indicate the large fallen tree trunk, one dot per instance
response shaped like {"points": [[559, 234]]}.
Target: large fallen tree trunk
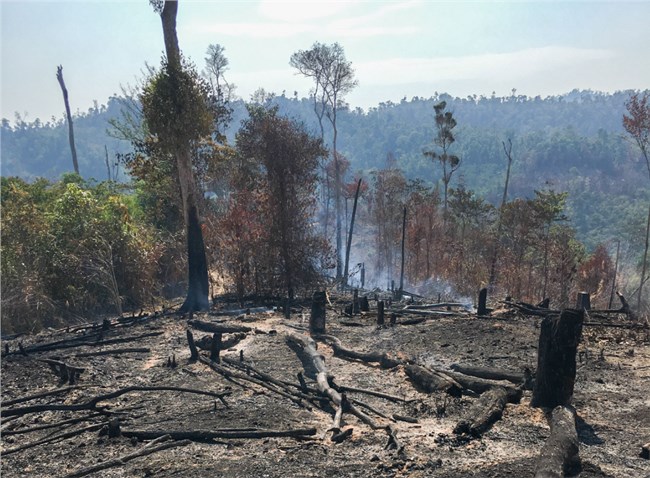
{"points": [[491, 373], [308, 346], [432, 380], [217, 328], [368, 357], [478, 385], [487, 411], [560, 452]]}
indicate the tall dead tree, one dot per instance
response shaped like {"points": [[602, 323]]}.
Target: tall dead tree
{"points": [[73, 149], [347, 250], [504, 199]]}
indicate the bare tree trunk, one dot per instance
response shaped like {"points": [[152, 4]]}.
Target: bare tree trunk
{"points": [[495, 256], [347, 251], [73, 150], [401, 275], [198, 285], [643, 267]]}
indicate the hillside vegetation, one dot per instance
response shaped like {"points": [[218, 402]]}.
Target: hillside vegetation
{"points": [[578, 187]]}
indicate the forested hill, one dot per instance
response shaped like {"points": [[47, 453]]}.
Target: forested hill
{"points": [[572, 143]]}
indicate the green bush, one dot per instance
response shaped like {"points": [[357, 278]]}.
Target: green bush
{"points": [[71, 248]]}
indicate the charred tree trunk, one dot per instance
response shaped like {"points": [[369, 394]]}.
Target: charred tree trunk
{"points": [[347, 251], [317, 318], [198, 285], [559, 455], [401, 275], [482, 302], [556, 359], [73, 149]]}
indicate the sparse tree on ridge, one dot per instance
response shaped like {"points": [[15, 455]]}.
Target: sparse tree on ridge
{"points": [[443, 139], [334, 77]]}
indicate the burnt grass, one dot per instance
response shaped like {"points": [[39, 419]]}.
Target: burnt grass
{"points": [[611, 399]]}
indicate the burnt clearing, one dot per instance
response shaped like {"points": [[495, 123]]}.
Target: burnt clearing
{"points": [[125, 398]]}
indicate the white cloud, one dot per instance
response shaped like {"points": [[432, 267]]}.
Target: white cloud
{"points": [[301, 10], [334, 18], [251, 29], [514, 66]]}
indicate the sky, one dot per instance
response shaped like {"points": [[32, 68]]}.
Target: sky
{"points": [[399, 49]]}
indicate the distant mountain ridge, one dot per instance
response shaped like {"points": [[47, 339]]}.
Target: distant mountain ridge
{"points": [[573, 142]]}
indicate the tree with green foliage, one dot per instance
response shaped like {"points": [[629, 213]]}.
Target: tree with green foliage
{"points": [[443, 139], [334, 77], [177, 111]]}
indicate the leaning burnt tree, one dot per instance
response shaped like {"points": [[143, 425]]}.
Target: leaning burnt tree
{"points": [[177, 111]]}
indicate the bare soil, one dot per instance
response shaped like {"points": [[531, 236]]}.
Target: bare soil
{"points": [[611, 399]]}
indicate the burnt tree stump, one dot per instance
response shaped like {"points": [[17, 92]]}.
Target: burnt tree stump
{"points": [[317, 318], [355, 302], [482, 302], [556, 359], [215, 347], [380, 313], [363, 304], [583, 301]]}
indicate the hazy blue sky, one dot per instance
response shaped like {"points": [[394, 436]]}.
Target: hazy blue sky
{"points": [[399, 49]]}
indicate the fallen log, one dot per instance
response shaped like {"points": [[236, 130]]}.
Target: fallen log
{"points": [[78, 343], [297, 398], [308, 345], [36, 395], [476, 384], [491, 373], [559, 454], [61, 436], [148, 449], [367, 357], [208, 435], [217, 328], [92, 403], [432, 380], [62, 423], [236, 312], [487, 411], [132, 350]]}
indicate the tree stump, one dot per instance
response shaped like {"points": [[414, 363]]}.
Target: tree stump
{"points": [[355, 302], [317, 318], [215, 348], [556, 359], [363, 304], [380, 312], [583, 301], [482, 302]]}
